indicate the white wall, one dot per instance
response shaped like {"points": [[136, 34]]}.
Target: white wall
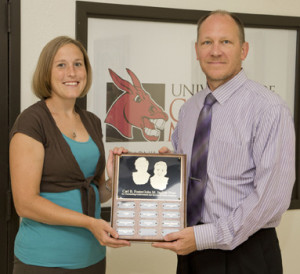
{"points": [[43, 20]]}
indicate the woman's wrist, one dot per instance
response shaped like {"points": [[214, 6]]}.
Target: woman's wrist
{"points": [[108, 185], [89, 223]]}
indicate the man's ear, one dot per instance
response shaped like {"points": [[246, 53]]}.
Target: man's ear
{"points": [[244, 51], [196, 49]]}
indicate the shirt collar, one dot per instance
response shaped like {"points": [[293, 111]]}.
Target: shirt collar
{"points": [[224, 92]]}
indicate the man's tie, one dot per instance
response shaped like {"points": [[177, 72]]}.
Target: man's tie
{"points": [[198, 176]]}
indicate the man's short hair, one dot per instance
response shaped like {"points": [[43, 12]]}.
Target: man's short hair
{"points": [[237, 20]]}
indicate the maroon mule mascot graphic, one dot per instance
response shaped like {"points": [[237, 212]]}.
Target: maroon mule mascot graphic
{"points": [[135, 108]]}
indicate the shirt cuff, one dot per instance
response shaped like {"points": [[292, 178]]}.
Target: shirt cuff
{"points": [[205, 236]]}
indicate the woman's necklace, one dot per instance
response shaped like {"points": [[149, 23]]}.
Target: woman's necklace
{"points": [[59, 120], [74, 135]]}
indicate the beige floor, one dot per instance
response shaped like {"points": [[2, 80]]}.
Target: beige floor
{"points": [[140, 258]]}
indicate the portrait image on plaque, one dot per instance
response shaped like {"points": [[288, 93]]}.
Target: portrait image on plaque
{"points": [[159, 180], [149, 177], [148, 195], [141, 175]]}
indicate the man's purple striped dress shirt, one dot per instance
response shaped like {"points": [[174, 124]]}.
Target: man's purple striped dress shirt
{"points": [[251, 161]]}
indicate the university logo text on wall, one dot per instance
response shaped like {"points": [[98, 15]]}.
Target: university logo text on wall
{"points": [[135, 111], [169, 74]]}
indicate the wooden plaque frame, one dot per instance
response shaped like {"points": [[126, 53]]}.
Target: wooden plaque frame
{"points": [[148, 197]]}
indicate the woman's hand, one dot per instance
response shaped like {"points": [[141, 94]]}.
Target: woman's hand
{"points": [[105, 234], [110, 163]]}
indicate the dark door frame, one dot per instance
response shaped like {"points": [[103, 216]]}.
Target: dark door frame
{"points": [[86, 10], [9, 109]]}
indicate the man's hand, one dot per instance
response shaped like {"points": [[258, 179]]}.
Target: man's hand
{"points": [[182, 242], [164, 150]]}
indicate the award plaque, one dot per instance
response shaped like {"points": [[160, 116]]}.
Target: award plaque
{"points": [[148, 197]]}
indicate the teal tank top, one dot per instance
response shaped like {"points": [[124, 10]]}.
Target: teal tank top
{"points": [[63, 246]]}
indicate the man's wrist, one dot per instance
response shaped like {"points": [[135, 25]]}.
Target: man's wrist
{"points": [[205, 236]]}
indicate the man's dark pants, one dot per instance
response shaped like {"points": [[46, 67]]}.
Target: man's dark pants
{"points": [[260, 254]]}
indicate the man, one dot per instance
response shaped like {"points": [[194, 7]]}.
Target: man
{"points": [[250, 163], [159, 180]]}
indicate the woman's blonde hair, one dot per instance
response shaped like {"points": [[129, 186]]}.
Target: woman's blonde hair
{"points": [[41, 81]]}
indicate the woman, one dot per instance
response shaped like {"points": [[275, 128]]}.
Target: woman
{"points": [[57, 167], [141, 176]]}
